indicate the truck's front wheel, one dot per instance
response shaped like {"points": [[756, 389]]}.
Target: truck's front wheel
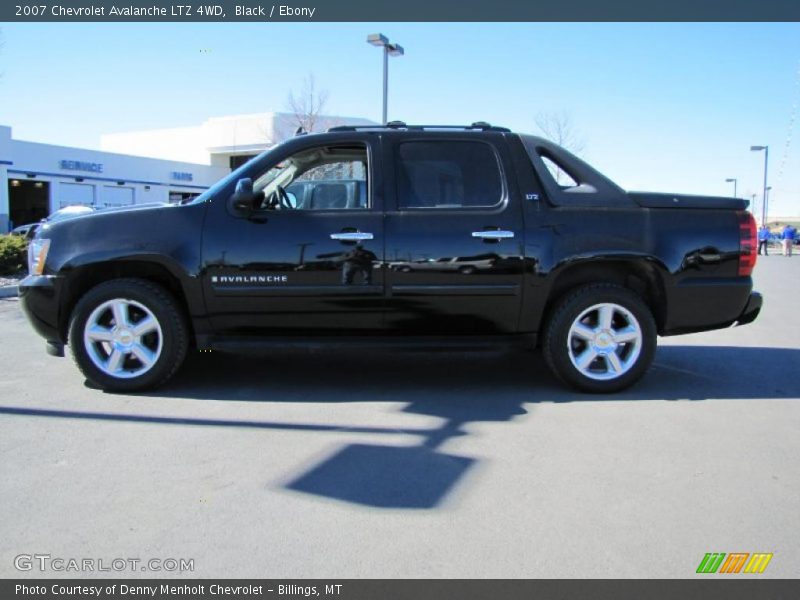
{"points": [[128, 335], [601, 338]]}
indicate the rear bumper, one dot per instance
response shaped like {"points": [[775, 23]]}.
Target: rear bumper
{"points": [[751, 309], [703, 304]]}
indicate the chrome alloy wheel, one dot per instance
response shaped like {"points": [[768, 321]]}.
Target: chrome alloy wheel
{"points": [[123, 338], [604, 341]]}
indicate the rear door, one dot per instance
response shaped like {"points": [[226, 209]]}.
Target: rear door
{"points": [[454, 235]]}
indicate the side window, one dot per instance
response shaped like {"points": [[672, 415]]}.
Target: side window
{"points": [[448, 174], [557, 172], [350, 169], [324, 178]]}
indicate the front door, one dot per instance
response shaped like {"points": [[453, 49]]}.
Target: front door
{"points": [[454, 237], [308, 258]]}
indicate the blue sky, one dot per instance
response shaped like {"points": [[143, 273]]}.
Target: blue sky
{"points": [[664, 107]]}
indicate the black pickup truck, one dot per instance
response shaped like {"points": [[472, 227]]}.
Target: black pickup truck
{"points": [[396, 235]]}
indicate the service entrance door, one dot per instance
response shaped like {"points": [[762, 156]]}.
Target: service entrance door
{"points": [[28, 200]]}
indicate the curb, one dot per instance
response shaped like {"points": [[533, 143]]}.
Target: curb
{"points": [[9, 291]]}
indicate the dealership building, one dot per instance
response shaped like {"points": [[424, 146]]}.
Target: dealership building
{"points": [[159, 165]]}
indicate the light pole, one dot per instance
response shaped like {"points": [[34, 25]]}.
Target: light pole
{"points": [[734, 181], [764, 197], [381, 41], [766, 200]]}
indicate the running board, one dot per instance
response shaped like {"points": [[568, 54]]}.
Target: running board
{"points": [[235, 344]]}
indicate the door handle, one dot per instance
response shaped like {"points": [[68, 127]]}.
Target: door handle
{"points": [[351, 236], [497, 234]]}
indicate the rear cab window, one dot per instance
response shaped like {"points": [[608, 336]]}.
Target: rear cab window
{"points": [[569, 181]]}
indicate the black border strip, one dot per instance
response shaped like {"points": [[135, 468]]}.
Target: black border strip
{"points": [[410, 10], [708, 587]]}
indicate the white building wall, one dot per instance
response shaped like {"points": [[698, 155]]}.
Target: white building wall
{"points": [[78, 175], [217, 138], [184, 144], [47, 159], [5, 157]]}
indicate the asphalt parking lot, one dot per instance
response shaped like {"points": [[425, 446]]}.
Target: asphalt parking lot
{"points": [[330, 464]]}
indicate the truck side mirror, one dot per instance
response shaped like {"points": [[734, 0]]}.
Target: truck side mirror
{"points": [[241, 201]]}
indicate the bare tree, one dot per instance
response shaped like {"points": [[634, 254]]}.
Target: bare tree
{"points": [[558, 128], [307, 105]]}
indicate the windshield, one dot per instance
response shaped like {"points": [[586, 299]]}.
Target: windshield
{"points": [[233, 177]]}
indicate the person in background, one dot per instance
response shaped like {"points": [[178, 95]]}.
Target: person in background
{"points": [[763, 239], [787, 239]]}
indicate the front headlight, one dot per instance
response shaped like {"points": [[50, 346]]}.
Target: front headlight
{"points": [[37, 254]]}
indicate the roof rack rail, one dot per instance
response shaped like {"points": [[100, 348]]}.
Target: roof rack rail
{"points": [[477, 125]]}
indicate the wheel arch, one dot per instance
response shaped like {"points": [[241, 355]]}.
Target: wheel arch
{"points": [[83, 278], [642, 275]]}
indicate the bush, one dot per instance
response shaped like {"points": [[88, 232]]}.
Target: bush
{"points": [[13, 254]]}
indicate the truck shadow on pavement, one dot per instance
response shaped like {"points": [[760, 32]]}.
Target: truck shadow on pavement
{"points": [[478, 381], [465, 388], [457, 388]]}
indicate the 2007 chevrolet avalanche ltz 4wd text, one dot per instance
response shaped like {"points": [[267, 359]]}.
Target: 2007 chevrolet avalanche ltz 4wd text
{"points": [[395, 235]]}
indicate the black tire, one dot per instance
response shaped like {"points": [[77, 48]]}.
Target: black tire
{"points": [[560, 348], [173, 334]]}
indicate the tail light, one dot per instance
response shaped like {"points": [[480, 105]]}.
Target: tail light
{"points": [[748, 243]]}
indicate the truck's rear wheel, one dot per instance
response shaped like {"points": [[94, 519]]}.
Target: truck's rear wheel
{"points": [[600, 338], [128, 335]]}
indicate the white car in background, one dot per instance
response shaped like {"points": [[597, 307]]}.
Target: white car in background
{"points": [[23, 230], [68, 212]]}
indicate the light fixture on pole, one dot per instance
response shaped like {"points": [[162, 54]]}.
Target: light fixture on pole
{"points": [[381, 41], [764, 197], [734, 181]]}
